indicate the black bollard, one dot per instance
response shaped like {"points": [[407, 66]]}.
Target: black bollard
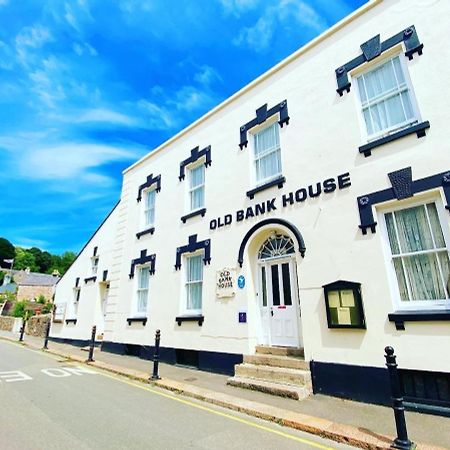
{"points": [[92, 345], [47, 334], [401, 441], [155, 375], [22, 330]]}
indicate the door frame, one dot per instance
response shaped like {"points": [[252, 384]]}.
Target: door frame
{"points": [[266, 317]]}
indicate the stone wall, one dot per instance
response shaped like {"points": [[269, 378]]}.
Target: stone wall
{"points": [[37, 325], [7, 323], [33, 292]]}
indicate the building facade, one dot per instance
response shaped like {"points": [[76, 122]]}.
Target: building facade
{"points": [[310, 210]]}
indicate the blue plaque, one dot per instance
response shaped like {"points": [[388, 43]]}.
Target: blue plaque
{"points": [[241, 281], [242, 317]]}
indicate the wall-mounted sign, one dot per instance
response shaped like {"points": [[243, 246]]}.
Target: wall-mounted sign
{"points": [[241, 282], [59, 312], [242, 317], [226, 283], [299, 196]]}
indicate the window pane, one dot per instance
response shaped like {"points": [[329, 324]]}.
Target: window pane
{"points": [[362, 91], [142, 300], [197, 198], [391, 233], [398, 70], [380, 80], [275, 285], [413, 229], [194, 296], [435, 225], [267, 139], [407, 104], [149, 217], [195, 268], [268, 166], [197, 177], [394, 109], [143, 278], [368, 121], [424, 278], [286, 284], [401, 279], [150, 199], [445, 266], [264, 286]]}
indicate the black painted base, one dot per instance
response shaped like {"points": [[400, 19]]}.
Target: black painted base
{"points": [[75, 342], [217, 362], [363, 384]]}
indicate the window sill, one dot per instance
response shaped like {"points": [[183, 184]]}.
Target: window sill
{"points": [[197, 318], [199, 212], [94, 279], [277, 182], [144, 232], [131, 320], [419, 129], [74, 321], [399, 318]]}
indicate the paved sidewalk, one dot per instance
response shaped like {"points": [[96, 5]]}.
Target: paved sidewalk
{"points": [[359, 424]]}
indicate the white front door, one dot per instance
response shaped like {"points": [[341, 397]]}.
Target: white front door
{"points": [[279, 302]]}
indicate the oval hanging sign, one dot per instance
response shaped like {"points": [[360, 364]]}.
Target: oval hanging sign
{"points": [[241, 281]]}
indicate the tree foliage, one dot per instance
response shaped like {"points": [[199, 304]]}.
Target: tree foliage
{"points": [[34, 258], [7, 250]]}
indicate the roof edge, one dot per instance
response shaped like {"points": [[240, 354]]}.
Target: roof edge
{"points": [[302, 50]]}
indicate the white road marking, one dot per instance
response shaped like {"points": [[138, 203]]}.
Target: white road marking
{"points": [[56, 373], [14, 375], [80, 370]]}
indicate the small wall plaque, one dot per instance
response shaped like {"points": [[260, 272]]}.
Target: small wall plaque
{"points": [[242, 317]]}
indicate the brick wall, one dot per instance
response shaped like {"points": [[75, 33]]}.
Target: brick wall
{"points": [[7, 323], [37, 325], [33, 292]]}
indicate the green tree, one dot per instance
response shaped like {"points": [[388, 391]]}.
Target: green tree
{"points": [[43, 259], [7, 250], [25, 259], [67, 258]]}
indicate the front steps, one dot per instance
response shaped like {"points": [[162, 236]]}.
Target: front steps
{"points": [[278, 371]]}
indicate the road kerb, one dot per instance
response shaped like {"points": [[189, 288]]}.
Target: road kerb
{"points": [[346, 434]]}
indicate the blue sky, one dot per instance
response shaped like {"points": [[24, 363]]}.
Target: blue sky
{"points": [[89, 86]]}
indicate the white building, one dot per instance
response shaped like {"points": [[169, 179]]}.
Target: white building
{"points": [[334, 165]]}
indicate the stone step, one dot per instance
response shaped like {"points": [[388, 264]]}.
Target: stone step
{"points": [[296, 377], [277, 361], [280, 351], [279, 389]]}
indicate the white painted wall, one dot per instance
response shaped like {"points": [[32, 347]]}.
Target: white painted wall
{"points": [[320, 142], [89, 306]]}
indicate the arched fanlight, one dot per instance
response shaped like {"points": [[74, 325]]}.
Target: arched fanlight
{"points": [[276, 246]]}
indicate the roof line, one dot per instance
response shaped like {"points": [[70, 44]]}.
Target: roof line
{"points": [[90, 239], [302, 50]]}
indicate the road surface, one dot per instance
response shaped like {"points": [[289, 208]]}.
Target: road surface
{"points": [[49, 403]]}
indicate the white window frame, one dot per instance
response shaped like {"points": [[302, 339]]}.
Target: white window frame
{"points": [[144, 224], [184, 309], [389, 260], [75, 301], [258, 129], [366, 138], [94, 264], [189, 169], [135, 311]]}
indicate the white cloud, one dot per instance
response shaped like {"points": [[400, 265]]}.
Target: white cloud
{"points": [[84, 48], [72, 160], [257, 37], [189, 98], [303, 13], [156, 117], [283, 17], [31, 38], [207, 75], [106, 116], [236, 7]]}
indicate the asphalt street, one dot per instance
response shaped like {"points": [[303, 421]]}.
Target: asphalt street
{"points": [[50, 403]]}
